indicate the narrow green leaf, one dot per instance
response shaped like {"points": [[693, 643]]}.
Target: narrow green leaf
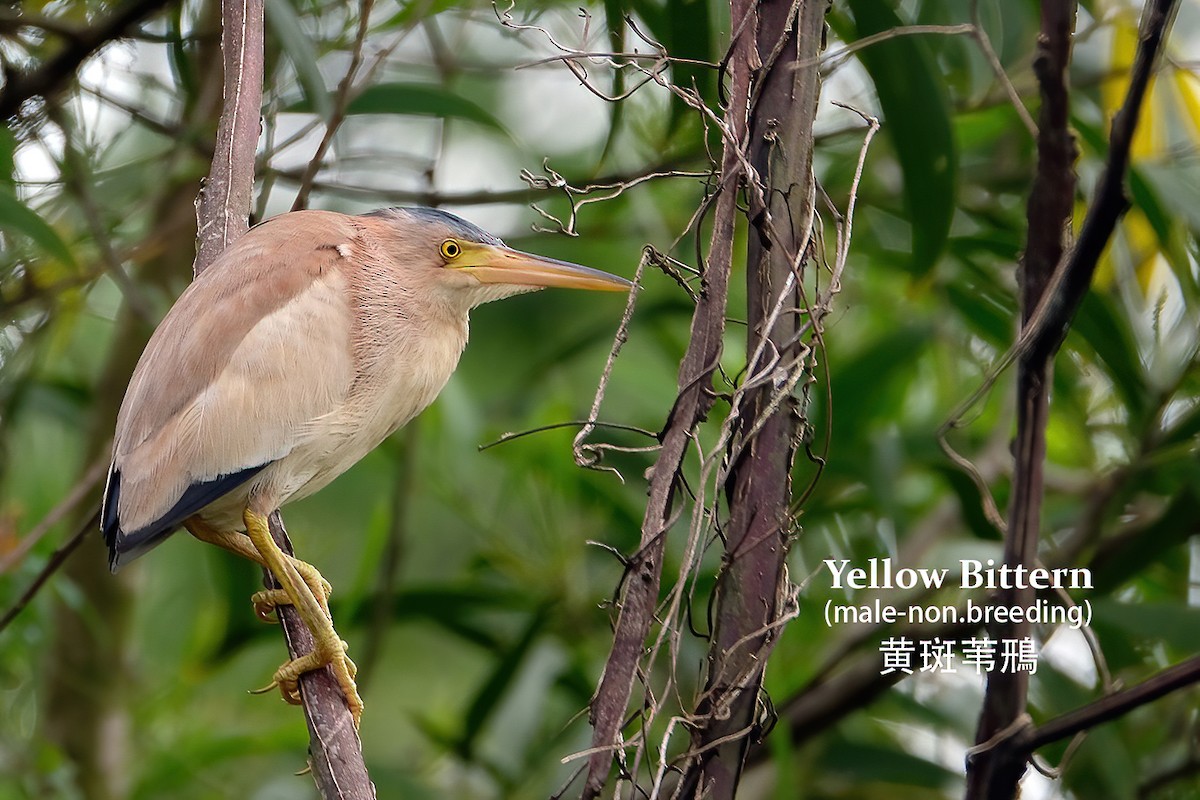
{"points": [[177, 50], [868, 386], [414, 11], [285, 24], [8, 150], [691, 38], [421, 99], [1174, 623], [614, 21], [1127, 555], [984, 309], [1106, 332], [684, 29], [492, 692], [413, 99], [969, 500], [917, 119], [16, 217], [870, 763]]}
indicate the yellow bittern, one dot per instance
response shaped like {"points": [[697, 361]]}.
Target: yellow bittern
{"points": [[305, 344]]}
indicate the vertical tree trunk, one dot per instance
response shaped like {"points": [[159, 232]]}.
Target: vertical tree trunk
{"points": [[751, 589], [1048, 217], [692, 404]]}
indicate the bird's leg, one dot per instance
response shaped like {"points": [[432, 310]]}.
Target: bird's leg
{"points": [[240, 544], [328, 647]]}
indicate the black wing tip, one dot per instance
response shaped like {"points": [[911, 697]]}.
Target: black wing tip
{"points": [[110, 526], [125, 546]]}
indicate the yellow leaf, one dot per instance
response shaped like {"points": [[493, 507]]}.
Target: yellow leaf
{"points": [[1142, 244], [1187, 84], [1150, 138]]}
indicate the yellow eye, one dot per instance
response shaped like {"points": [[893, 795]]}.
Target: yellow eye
{"points": [[451, 249]]}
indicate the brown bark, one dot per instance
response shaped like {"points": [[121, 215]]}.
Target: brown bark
{"points": [[1050, 296], [1049, 218], [751, 590], [695, 398]]}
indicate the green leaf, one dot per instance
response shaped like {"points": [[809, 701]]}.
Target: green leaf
{"points": [[414, 11], [684, 29], [691, 38], [983, 307], [1150, 186], [492, 692], [177, 50], [869, 763], [18, 218], [917, 119], [421, 99], [1129, 553], [970, 501], [614, 21], [8, 150], [1174, 623], [867, 387], [285, 24], [414, 99], [1107, 333]]}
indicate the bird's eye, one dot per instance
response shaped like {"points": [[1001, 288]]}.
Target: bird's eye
{"points": [[451, 249]]}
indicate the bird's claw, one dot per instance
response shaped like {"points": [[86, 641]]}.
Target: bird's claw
{"points": [[268, 600], [287, 677], [289, 690], [265, 603]]}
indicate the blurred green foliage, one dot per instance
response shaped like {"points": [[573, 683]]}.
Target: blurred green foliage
{"points": [[480, 651]]}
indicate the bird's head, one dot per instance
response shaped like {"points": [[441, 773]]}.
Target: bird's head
{"points": [[448, 253]]}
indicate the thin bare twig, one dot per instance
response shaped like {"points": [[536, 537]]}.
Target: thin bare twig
{"points": [[57, 559], [1014, 97], [345, 93], [598, 192], [77, 178], [589, 455], [578, 423], [77, 494]]}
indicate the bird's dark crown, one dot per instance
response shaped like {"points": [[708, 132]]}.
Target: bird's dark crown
{"points": [[457, 225]]}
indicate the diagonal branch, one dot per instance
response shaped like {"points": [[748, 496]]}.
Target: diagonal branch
{"points": [[222, 216], [1050, 299], [1047, 327], [1109, 707]]}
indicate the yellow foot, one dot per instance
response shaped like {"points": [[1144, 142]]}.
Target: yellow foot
{"points": [[304, 588], [266, 601], [287, 677]]}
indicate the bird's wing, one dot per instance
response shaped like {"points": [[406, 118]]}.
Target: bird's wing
{"points": [[256, 347]]}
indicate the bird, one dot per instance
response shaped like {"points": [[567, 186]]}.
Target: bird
{"points": [[308, 341]]}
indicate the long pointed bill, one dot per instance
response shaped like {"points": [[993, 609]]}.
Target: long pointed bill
{"points": [[492, 264]]}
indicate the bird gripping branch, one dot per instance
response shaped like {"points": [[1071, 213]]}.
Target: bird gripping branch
{"points": [[307, 343]]}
